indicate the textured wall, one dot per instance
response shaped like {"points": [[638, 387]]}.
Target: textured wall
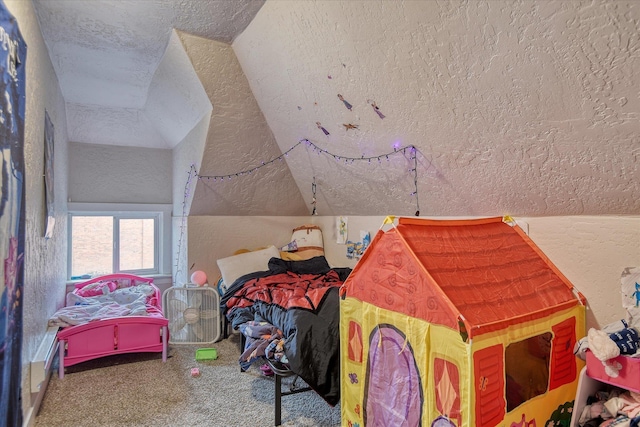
{"points": [[45, 260], [519, 107], [591, 251], [212, 238], [186, 155], [176, 101], [238, 138], [111, 174]]}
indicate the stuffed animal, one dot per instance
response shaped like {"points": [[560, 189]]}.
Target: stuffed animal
{"points": [[604, 349]]}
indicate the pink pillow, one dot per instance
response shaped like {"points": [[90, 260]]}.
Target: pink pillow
{"points": [[100, 288]]}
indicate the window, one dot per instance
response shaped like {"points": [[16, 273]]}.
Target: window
{"points": [[527, 369], [103, 242]]}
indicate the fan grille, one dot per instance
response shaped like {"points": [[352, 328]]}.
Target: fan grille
{"points": [[193, 314]]}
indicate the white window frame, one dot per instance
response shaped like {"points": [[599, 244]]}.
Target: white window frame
{"points": [[160, 213]]}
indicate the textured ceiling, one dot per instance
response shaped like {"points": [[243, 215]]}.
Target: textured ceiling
{"points": [[515, 107], [122, 75]]}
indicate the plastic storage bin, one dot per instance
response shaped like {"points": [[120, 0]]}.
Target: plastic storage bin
{"points": [[628, 377]]}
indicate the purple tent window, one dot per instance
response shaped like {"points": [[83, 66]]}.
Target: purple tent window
{"points": [[393, 390]]}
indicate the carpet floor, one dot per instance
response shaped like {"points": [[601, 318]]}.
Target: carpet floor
{"points": [[139, 390]]}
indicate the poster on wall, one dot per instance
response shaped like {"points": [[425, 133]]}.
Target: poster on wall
{"points": [[50, 221], [13, 53]]}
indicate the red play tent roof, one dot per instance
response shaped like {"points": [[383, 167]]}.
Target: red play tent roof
{"points": [[482, 273]]}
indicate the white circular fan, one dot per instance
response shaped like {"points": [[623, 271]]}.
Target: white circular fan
{"points": [[193, 313]]}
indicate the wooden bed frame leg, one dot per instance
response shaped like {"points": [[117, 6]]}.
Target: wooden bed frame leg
{"points": [[61, 359], [278, 401]]}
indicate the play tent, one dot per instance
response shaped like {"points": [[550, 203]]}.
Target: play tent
{"points": [[458, 323]]}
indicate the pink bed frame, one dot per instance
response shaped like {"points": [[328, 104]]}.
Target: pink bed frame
{"points": [[129, 334]]}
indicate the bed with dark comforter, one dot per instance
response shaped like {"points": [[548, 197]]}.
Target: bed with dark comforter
{"points": [[293, 308]]}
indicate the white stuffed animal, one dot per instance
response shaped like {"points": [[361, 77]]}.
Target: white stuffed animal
{"points": [[604, 349]]}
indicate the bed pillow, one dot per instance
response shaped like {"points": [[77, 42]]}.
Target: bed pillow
{"points": [[315, 265], [236, 266], [98, 288], [306, 243]]}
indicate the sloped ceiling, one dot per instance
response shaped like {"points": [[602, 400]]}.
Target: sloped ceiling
{"points": [[124, 78], [523, 108], [238, 139]]}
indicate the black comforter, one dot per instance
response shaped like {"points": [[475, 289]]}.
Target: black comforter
{"points": [[301, 299]]}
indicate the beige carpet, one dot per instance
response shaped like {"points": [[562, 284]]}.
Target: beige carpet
{"points": [[139, 390]]}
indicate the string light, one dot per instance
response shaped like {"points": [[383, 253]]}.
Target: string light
{"points": [[397, 149], [250, 170], [193, 173], [187, 192], [414, 157], [319, 150], [313, 200]]}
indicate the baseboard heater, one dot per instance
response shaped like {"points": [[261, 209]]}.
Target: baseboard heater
{"points": [[40, 371], [41, 363]]}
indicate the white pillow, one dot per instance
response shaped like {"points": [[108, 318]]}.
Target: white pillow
{"points": [[236, 266]]}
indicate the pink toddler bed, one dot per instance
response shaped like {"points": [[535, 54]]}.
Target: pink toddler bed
{"points": [[107, 315]]}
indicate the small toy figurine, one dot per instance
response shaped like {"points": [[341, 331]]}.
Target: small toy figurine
{"points": [[350, 126], [376, 109], [326, 132], [346, 104]]}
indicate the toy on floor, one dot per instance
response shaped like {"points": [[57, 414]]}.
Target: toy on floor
{"points": [[266, 370], [203, 354]]}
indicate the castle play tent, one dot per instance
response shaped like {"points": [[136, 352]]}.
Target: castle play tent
{"points": [[458, 323]]}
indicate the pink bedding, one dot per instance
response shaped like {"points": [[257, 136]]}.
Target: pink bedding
{"points": [[137, 300], [113, 314]]}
